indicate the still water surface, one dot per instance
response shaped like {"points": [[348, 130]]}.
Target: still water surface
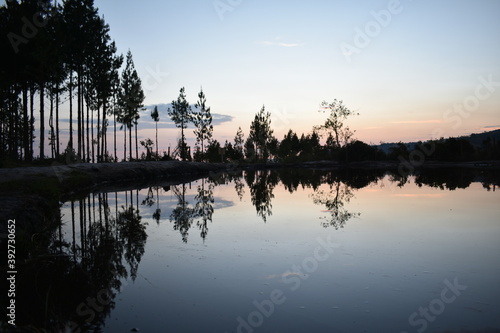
{"points": [[290, 251]]}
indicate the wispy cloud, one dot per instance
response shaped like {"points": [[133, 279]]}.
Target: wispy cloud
{"points": [[493, 127], [147, 122], [429, 121], [426, 195], [282, 44]]}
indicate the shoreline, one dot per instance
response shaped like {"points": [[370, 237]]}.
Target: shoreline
{"points": [[27, 192], [89, 176]]}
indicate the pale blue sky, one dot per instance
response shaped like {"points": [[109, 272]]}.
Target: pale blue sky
{"points": [[428, 56]]}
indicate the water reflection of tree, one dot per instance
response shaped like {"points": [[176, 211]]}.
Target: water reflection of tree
{"points": [[157, 213], [293, 178], [184, 214], [400, 179], [103, 246], [239, 187], [334, 200], [450, 179], [133, 236], [58, 282], [204, 207], [149, 201], [489, 186], [262, 184]]}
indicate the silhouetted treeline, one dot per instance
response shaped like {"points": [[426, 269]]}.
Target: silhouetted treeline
{"points": [[55, 54], [62, 54], [293, 149]]}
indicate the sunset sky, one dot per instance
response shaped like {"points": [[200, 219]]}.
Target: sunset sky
{"points": [[414, 70]]}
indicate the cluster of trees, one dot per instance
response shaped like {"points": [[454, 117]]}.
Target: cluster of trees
{"points": [[450, 149], [63, 53], [182, 115], [262, 146]]}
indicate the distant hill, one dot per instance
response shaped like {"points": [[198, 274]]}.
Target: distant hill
{"points": [[475, 139], [478, 139]]}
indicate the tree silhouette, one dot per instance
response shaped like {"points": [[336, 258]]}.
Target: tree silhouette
{"points": [[261, 134], [202, 120], [338, 114], [156, 117], [181, 116], [131, 98], [238, 143]]}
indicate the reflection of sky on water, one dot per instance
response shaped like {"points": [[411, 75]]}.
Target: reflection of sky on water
{"points": [[390, 261]]}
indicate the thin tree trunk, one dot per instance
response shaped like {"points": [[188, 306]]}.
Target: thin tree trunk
{"points": [[183, 155], [82, 108], [73, 229], [103, 135], [79, 115], [88, 136], [92, 130], [11, 126], [106, 213], [52, 140], [42, 121], [136, 146], [124, 142], [130, 141], [71, 110], [137, 200], [99, 198], [82, 231], [91, 226], [26, 135], [98, 133], [32, 120], [57, 120], [156, 124], [17, 134], [114, 134]]}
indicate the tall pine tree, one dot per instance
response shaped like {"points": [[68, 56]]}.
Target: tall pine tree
{"points": [[181, 116], [202, 120], [156, 117], [261, 133], [131, 98]]}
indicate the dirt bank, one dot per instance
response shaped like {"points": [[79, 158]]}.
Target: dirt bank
{"points": [[27, 194], [84, 176]]}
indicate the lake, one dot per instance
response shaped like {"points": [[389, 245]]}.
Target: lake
{"points": [[276, 251]]}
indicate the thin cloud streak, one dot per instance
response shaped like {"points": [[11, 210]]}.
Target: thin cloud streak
{"points": [[281, 44], [430, 121], [428, 195]]}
